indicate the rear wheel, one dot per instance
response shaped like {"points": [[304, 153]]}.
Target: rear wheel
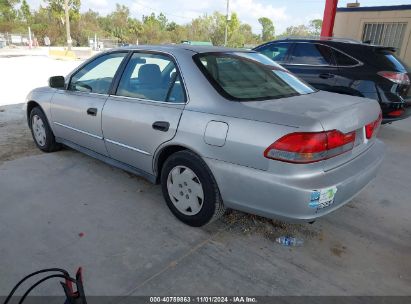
{"points": [[40, 130], [190, 189]]}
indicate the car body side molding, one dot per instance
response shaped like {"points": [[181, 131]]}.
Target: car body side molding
{"points": [[150, 177], [127, 147], [78, 130]]}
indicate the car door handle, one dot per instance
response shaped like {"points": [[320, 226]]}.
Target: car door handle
{"points": [[92, 111], [326, 75], [161, 126]]}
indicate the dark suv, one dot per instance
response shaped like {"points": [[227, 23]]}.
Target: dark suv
{"points": [[348, 67]]}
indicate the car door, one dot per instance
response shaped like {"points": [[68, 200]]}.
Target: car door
{"points": [[145, 110], [352, 78], [314, 63], [76, 111]]}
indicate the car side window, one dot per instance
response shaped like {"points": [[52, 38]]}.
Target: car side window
{"points": [[312, 54], [153, 77], [276, 51], [344, 60], [176, 92], [96, 76]]}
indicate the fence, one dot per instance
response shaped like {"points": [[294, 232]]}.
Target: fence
{"points": [[97, 43], [16, 39]]}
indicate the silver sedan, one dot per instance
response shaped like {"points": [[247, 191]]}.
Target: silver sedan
{"points": [[217, 128]]}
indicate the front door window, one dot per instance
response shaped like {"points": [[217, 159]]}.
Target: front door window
{"points": [[312, 54], [96, 76]]}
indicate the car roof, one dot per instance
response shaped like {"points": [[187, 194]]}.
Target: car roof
{"points": [[327, 40], [345, 44], [321, 39], [178, 47]]}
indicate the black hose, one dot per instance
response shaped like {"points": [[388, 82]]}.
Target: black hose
{"points": [[41, 281], [66, 275]]}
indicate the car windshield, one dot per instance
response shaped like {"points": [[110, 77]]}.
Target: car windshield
{"points": [[246, 76]]}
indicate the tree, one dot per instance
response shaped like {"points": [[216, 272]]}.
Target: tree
{"points": [[315, 26], [57, 20], [7, 10], [236, 32], [178, 33], [172, 26], [87, 26], [163, 21], [42, 24], [154, 29], [297, 31], [268, 30], [200, 28], [116, 23], [25, 13], [217, 34], [247, 36], [135, 29], [49, 21], [56, 8]]}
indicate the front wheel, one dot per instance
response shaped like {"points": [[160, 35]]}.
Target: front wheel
{"points": [[190, 189], [40, 130]]}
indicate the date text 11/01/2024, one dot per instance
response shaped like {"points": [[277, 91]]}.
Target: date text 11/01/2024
{"points": [[236, 299]]}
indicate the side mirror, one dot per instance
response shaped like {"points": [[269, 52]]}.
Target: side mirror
{"points": [[57, 82]]}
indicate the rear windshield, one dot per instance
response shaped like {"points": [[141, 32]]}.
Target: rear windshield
{"points": [[394, 63], [246, 76], [385, 60]]}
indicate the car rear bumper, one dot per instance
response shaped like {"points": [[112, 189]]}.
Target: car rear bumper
{"points": [[288, 197], [387, 118]]}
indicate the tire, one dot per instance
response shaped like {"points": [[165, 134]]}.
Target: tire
{"points": [[40, 130], [186, 189]]}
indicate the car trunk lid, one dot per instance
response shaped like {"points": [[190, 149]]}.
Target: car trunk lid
{"points": [[333, 111]]}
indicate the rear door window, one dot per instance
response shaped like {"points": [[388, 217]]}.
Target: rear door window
{"points": [[276, 51], [153, 77], [344, 60], [311, 54]]}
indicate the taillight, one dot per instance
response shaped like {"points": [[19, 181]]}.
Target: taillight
{"points": [[372, 127], [396, 77], [396, 113], [309, 147]]}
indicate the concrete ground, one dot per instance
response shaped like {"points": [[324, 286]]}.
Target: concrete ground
{"points": [[67, 210]]}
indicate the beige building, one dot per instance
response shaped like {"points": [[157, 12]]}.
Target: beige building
{"points": [[382, 25]]}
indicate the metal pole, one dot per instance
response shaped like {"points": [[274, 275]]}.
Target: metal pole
{"points": [[329, 18], [30, 41], [66, 11], [226, 24]]}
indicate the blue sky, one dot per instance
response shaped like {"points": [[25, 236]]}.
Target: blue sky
{"points": [[283, 13]]}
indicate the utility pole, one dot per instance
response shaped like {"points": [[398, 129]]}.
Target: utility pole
{"points": [[66, 11], [30, 40], [226, 23]]}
